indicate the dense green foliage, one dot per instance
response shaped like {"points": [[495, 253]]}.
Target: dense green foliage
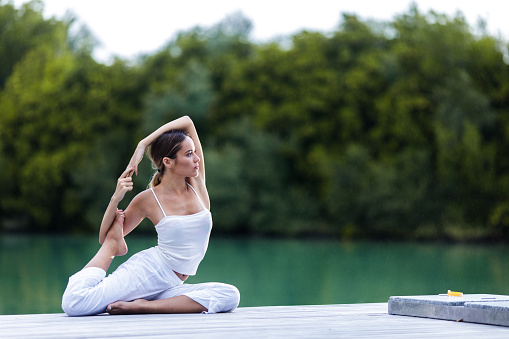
{"points": [[396, 129]]}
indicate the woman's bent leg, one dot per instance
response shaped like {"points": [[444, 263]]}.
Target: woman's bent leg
{"points": [[142, 276], [186, 298], [215, 297], [178, 304], [113, 245], [78, 298], [89, 291]]}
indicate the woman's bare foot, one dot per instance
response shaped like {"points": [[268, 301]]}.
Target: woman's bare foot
{"points": [[115, 235], [137, 306]]}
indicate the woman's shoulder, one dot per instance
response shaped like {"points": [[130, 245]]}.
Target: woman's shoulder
{"points": [[144, 201], [200, 189], [197, 184], [142, 197]]}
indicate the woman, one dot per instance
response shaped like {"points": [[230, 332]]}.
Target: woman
{"points": [[177, 202]]}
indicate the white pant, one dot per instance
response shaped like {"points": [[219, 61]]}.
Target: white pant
{"points": [[144, 275]]}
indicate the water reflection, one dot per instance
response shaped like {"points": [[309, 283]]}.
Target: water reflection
{"points": [[34, 270]]}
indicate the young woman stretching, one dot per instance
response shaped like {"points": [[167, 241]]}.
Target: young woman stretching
{"points": [[152, 281]]}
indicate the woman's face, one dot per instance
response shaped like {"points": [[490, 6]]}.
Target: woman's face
{"points": [[186, 163]]}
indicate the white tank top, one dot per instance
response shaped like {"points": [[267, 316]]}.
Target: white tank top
{"points": [[182, 240]]}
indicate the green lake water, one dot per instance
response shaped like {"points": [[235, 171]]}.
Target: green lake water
{"points": [[34, 269]]}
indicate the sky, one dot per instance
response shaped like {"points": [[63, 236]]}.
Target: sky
{"points": [[130, 28]]}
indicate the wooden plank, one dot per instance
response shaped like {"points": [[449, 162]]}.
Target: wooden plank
{"points": [[353, 321]]}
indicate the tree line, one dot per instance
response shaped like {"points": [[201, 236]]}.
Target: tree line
{"points": [[393, 129]]}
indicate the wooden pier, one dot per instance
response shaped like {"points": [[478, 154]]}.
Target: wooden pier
{"points": [[325, 321]]}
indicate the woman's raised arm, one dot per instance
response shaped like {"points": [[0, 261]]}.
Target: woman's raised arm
{"points": [[183, 123]]}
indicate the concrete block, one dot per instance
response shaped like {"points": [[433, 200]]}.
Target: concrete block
{"points": [[493, 313], [447, 307]]}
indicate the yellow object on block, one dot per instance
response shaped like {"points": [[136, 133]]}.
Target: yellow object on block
{"points": [[454, 294]]}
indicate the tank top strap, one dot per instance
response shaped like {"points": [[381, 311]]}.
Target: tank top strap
{"points": [[201, 202], [155, 196]]}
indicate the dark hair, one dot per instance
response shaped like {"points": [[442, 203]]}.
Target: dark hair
{"points": [[166, 145]]}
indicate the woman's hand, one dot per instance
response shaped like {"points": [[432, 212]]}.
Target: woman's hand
{"points": [[139, 152], [124, 185]]}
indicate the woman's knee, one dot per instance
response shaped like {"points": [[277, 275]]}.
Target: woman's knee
{"points": [[75, 305], [72, 305], [231, 297]]}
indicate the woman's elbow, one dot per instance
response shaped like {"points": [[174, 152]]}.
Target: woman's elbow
{"points": [[187, 119]]}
